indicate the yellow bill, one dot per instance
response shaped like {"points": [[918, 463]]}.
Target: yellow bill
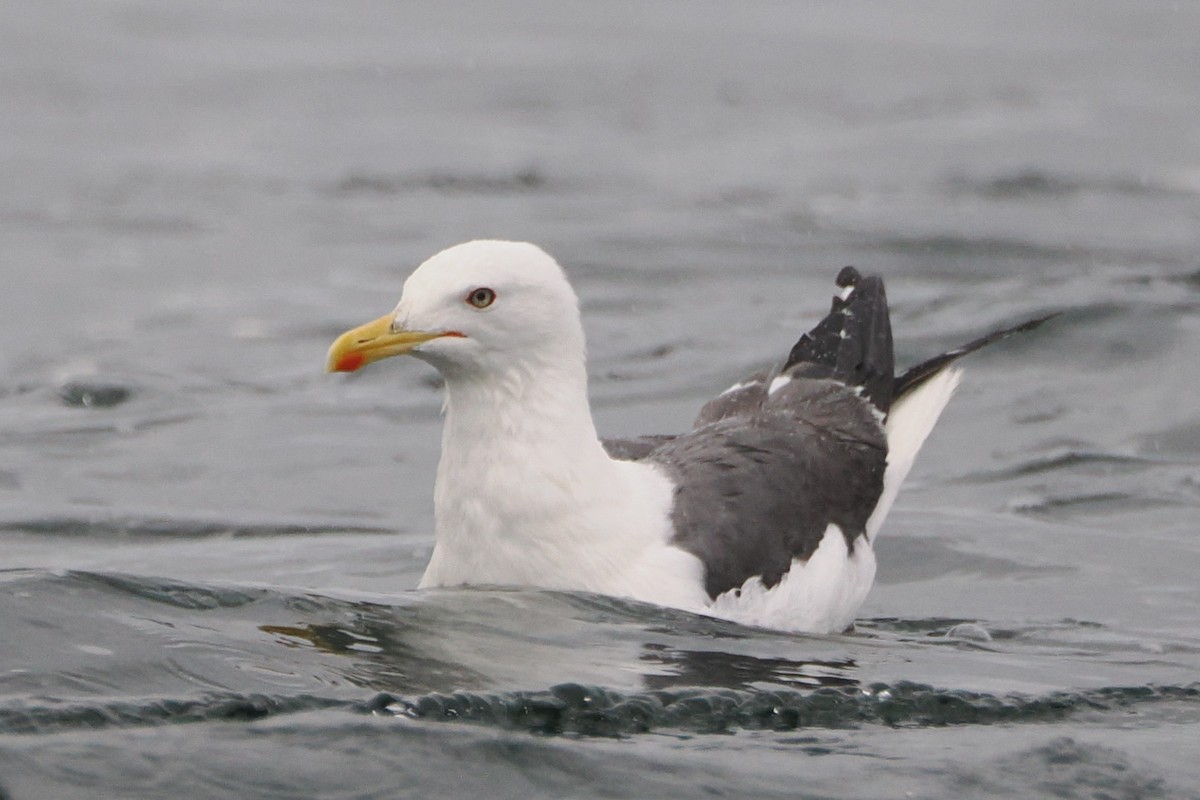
{"points": [[371, 342]]}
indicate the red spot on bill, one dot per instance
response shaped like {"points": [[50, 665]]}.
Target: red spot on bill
{"points": [[349, 362]]}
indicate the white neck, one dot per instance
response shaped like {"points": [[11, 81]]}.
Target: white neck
{"points": [[525, 411], [526, 494], [520, 456]]}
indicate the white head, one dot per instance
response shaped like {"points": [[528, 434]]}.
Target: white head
{"points": [[475, 309]]}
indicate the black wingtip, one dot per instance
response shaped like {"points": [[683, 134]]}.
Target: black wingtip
{"points": [[849, 276], [915, 376], [853, 343]]}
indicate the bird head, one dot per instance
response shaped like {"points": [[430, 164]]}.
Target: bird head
{"points": [[477, 307]]}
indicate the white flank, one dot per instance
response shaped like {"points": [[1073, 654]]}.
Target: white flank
{"points": [[820, 595], [778, 383]]}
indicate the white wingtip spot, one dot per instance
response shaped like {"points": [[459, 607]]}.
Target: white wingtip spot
{"points": [[737, 387]]}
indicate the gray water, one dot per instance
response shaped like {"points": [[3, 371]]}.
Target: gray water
{"points": [[209, 547]]}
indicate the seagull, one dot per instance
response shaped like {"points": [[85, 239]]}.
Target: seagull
{"points": [[765, 512]]}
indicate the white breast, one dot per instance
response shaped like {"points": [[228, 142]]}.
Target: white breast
{"points": [[601, 528]]}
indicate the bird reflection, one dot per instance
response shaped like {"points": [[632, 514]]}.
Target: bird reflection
{"points": [[383, 654], [677, 667], [379, 656]]}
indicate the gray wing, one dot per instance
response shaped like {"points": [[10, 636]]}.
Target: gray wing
{"points": [[753, 492], [777, 458], [637, 448]]}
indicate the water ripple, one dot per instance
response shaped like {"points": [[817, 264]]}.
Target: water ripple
{"points": [[53, 717], [578, 709], [594, 711]]}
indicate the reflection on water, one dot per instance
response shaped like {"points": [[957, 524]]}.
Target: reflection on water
{"points": [[135, 652], [383, 660], [737, 671]]}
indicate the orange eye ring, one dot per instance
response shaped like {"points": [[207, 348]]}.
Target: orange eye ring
{"points": [[481, 297]]}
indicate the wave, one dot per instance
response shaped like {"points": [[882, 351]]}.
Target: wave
{"points": [[107, 650], [577, 709]]}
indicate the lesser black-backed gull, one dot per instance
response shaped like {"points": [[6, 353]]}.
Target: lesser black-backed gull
{"points": [[765, 512]]}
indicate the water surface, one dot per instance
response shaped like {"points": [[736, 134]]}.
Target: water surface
{"points": [[210, 547]]}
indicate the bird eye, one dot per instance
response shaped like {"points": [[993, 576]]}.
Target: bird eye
{"points": [[481, 297]]}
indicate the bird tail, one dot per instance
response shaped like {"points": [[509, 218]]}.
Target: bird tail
{"points": [[913, 377], [912, 417], [918, 398]]}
